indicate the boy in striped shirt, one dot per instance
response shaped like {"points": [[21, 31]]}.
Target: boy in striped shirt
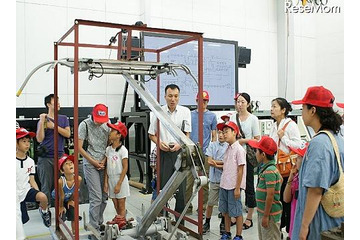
{"points": [[268, 202]]}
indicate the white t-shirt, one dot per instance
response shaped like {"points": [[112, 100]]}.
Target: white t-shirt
{"points": [[24, 168], [179, 116]]}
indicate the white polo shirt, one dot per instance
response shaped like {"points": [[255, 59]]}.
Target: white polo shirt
{"points": [[179, 116], [24, 168]]}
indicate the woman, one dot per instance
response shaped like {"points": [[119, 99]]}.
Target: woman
{"points": [[319, 169], [285, 133], [249, 124]]}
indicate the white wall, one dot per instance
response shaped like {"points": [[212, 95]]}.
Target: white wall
{"points": [[252, 23]]}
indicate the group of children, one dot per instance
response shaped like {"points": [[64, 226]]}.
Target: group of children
{"points": [[116, 181], [227, 160]]}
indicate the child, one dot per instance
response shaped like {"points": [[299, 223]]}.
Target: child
{"points": [[66, 202], [268, 202], [116, 181], [26, 188], [292, 186], [215, 155], [232, 180]]}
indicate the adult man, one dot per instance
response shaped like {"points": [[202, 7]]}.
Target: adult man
{"points": [[209, 134], [45, 136], [96, 132], [169, 147]]}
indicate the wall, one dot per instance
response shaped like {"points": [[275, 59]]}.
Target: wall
{"points": [[252, 23]]}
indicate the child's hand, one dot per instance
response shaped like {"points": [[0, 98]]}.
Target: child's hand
{"points": [[237, 193], [117, 188], [71, 203], [62, 210], [293, 171], [265, 222]]}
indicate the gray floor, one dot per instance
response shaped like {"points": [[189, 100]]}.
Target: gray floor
{"points": [[35, 229]]}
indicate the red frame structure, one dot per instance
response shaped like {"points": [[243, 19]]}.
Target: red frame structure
{"points": [[189, 36]]}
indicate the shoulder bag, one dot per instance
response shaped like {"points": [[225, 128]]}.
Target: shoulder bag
{"points": [[333, 199]]}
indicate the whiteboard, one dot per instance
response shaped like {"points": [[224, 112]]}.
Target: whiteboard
{"points": [[219, 66]]}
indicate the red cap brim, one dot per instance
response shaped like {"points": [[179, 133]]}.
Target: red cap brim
{"points": [[340, 105], [297, 102]]}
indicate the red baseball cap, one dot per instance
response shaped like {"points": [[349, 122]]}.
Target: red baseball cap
{"points": [[266, 144], [229, 124], [340, 105], [317, 96], [64, 158], [206, 96], [300, 151], [226, 117], [120, 127], [100, 113], [22, 132]]}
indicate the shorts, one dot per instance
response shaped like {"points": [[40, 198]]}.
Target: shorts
{"points": [[213, 199], [228, 203], [70, 212], [30, 197]]}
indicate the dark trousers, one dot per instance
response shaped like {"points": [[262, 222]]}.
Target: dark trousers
{"points": [[167, 168], [285, 217], [250, 200]]}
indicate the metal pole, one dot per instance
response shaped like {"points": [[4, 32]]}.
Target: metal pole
{"points": [[56, 139], [201, 113], [76, 124]]}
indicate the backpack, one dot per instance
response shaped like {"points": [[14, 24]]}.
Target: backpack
{"points": [[285, 162], [250, 151], [333, 199]]}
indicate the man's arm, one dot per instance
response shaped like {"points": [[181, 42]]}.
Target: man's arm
{"points": [[213, 135], [40, 132], [88, 157], [163, 146], [65, 132], [312, 202]]}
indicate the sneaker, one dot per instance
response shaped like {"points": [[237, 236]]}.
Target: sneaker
{"points": [[222, 228], [46, 217], [225, 236], [238, 238], [206, 228]]}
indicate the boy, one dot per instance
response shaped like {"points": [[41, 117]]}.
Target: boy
{"points": [[269, 206], [26, 188], [215, 155], [66, 189], [232, 180]]}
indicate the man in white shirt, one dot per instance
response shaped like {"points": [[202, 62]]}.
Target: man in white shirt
{"points": [[169, 147]]}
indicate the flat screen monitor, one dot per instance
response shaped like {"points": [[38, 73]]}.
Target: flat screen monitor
{"points": [[220, 67]]}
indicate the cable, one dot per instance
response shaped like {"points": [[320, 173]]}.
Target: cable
{"points": [[94, 75]]}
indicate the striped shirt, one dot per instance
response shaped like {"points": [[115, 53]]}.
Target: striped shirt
{"points": [[269, 177]]}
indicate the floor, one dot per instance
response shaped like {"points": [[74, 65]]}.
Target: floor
{"points": [[35, 229]]}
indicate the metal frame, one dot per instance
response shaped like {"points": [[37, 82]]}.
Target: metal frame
{"points": [[191, 36]]}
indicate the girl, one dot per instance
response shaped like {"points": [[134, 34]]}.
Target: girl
{"points": [[116, 181], [292, 186], [285, 133]]}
